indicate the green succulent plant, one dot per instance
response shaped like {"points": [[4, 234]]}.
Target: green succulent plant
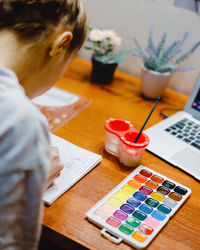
{"points": [[160, 59]]}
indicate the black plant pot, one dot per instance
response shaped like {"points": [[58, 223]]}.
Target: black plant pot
{"points": [[102, 73]]}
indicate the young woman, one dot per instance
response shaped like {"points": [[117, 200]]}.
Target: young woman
{"points": [[38, 40]]}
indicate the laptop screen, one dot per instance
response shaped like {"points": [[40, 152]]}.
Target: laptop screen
{"points": [[196, 102], [193, 104]]}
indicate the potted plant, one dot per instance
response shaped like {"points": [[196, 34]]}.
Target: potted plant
{"points": [[105, 57], [159, 62]]}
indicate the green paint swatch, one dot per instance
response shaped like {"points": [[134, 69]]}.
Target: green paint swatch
{"points": [[151, 202], [139, 215], [133, 222], [165, 209], [126, 229]]}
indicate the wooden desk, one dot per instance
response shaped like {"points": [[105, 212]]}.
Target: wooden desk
{"points": [[65, 219]]}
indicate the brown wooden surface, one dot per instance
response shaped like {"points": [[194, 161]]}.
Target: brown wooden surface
{"points": [[65, 219]]}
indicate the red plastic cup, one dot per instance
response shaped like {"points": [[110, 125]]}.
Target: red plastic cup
{"points": [[120, 137], [115, 128]]}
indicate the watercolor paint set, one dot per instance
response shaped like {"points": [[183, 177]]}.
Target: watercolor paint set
{"points": [[138, 208]]}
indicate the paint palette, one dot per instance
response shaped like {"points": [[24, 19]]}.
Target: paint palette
{"points": [[137, 209]]}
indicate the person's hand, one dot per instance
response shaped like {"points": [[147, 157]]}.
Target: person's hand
{"points": [[55, 168]]}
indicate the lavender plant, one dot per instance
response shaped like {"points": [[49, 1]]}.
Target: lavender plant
{"points": [[160, 59]]}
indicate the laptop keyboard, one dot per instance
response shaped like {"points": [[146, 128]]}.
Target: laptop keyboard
{"points": [[187, 131]]}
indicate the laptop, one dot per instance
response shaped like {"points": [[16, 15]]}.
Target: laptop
{"points": [[177, 138]]}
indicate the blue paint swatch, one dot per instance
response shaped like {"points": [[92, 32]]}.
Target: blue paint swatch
{"points": [[140, 196], [146, 209], [158, 215], [133, 202]]}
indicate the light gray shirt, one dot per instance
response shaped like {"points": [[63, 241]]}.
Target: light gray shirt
{"points": [[24, 163]]}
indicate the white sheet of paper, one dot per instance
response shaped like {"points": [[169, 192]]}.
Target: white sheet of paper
{"points": [[56, 97], [77, 163]]}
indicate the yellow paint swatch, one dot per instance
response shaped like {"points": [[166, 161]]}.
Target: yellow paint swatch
{"points": [[158, 196], [122, 195], [127, 189], [115, 202]]}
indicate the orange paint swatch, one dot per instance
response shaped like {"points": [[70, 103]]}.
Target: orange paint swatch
{"points": [[157, 178], [139, 236], [151, 184], [134, 184], [140, 178]]}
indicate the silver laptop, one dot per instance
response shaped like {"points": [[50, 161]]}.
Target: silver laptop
{"points": [[177, 138]]}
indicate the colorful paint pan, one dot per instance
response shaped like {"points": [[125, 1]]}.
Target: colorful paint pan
{"points": [[139, 207], [151, 184], [157, 178], [134, 184]]}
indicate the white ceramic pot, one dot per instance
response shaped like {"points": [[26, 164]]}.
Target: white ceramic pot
{"points": [[153, 83]]}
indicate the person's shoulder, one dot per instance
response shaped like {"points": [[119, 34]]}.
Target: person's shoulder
{"points": [[24, 135], [16, 107], [27, 112], [19, 110], [20, 118]]}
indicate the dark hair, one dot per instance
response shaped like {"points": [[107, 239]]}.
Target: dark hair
{"points": [[31, 18]]}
